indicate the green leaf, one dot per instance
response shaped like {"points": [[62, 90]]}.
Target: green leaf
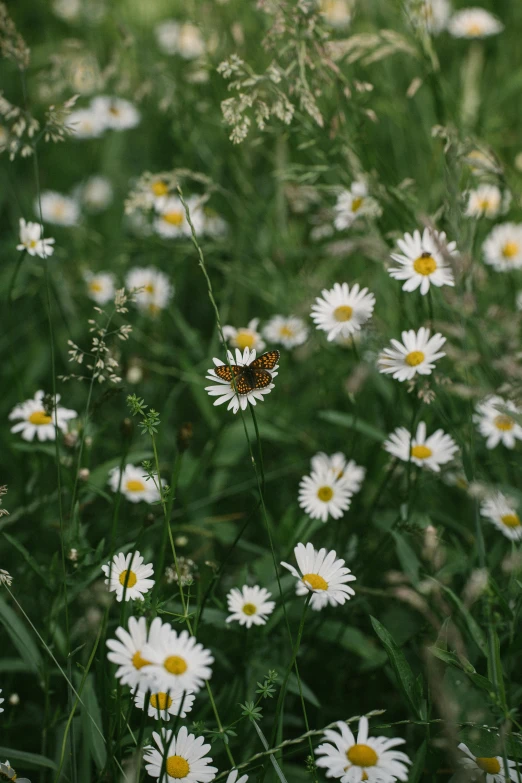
{"points": [[463, 665], [353, 640], [407, 557], [471, 625], [417, 768], [32, 759], [400, 666], [352, 422], [20, 636], [29, 559], [91, 713]]}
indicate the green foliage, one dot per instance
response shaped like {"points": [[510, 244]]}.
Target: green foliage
{"points": [[257, 135]]}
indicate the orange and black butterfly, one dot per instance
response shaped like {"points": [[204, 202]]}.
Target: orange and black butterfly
{"points": [[256, 375]]}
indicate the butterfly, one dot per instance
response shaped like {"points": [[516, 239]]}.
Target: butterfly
{"points": [[256, 375]]}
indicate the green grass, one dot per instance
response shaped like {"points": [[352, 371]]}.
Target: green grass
{"points": [[411, 642]]}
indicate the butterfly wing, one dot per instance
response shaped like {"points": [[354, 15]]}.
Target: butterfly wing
{"points": [[245, 382], [262, 378], [226, 373], [267, 361]]}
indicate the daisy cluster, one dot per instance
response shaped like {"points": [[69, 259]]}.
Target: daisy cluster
{"points": [[376, 323], [154, 207]]}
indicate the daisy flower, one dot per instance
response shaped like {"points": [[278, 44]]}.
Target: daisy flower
{"points": [[131, 578], [337, 13], [503, 247], [288, 331], [342, 310], [36, 420], [100, 286], [85, 124], [365, 758], [127, 651], [133, 484], [180, 757], [486, 201], [176, 661], [153, 290], [431, 15], [224, 389], [353, 204], [502, 512], [32, 241], [8, 773], [351, 474], [496, 426], [163, 705], [57, 208], [474, 23], [115, 113], [430, 452], [249, 606], [322, 575], [97, 193], [233, 777], [172, 222], [416, 355], [322, 494], [183, 39], [244, 337], [422, 260], [487, 769]]}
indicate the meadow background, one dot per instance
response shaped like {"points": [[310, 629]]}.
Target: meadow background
{"points": [[366, 99]]}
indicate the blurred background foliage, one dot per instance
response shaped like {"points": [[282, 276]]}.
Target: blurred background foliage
{"points": [[326, 398]]}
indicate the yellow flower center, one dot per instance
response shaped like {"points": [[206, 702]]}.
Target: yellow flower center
{"points": [[95, 286], [59, 210], [357, 204], [149, 288], [325, 494], [315, 581], [343, 313], [40, 417], [138, 662], [421, 452], [177, 767], [510, 520], [490, 765], [362, 756], [510, 250], [159, 188], [425, 264], [414, 358], [160, 701], [174, 218], [114, 111], [474, 29], [249, 609], [175, 664], [135, 485], [504, 423], [245, 339], [484, 204], [286, 331], [131, 579], [32, 243]]}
